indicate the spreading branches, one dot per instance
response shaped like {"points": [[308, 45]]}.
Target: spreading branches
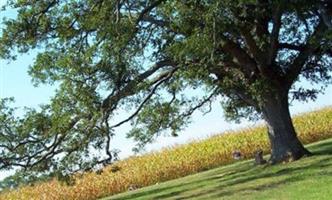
{"points": [[129, 89], [158, 81], [310, 47], [42, 149]]}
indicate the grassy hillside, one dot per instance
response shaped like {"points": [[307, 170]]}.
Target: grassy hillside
{"points": [[309, 178], [174, 162]]}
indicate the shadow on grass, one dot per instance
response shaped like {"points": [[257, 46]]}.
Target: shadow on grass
{"points": [[324, 148], [218, 192], [219, 184]]}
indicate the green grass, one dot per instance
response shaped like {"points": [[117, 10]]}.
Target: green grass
{"points": [[308, 178]]}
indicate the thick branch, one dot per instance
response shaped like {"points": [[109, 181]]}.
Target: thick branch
{"points": [[252, 46], [291, 46], [157, 22], [274, 38], [240, 56], [148, 9]]}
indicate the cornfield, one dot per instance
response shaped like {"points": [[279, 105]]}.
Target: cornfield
{"points": [[173, 162]]}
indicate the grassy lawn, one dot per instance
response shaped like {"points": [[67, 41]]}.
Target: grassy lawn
{"points": [[308, 178]]}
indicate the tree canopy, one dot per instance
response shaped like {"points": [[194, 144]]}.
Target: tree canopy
{"points": [[148, 58]]}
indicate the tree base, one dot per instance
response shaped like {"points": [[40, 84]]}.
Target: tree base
{"points": [[288, 156]]}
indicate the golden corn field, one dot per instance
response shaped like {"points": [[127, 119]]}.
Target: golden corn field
{"points": [[174, 162]]}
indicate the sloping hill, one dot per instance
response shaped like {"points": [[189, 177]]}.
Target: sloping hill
{"points": [[308, 178]]}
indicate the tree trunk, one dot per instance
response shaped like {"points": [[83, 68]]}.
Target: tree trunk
{"points": [[285, 145]]}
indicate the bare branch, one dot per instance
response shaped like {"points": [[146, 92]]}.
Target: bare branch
{"points": [[200, 104]]}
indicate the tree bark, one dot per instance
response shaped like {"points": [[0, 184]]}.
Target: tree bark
{"points": [[285, 145]]}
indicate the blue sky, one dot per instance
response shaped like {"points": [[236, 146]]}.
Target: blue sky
{"points": [[15, 82]]}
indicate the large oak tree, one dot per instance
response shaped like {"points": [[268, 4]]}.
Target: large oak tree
{"points": [[147, 57]]}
